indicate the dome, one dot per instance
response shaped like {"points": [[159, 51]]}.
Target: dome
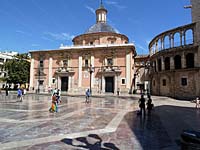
{"points": [[101, 27]]}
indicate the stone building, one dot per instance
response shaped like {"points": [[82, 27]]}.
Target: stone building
{"points": [[101, 58], [175, 59]]}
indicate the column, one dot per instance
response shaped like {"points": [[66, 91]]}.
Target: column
{"points": [[32, 74], [92, 75], [156, 65], [196, 60], [103, 84], [162, 43], [172, 63], [181, 40], [50, 71], [69, 83], [80, 71], [183, 60], [172, 41], [156, 46], [184, 38], [162, 63], [128, 69]]}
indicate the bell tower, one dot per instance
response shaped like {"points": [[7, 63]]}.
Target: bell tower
{"points": [[195, 10]]}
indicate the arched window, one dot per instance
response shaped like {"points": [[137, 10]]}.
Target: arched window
{"points": [[189, 37], [177, 41], [190, 60], [177, 62], [166, 42], [167, 63], [159, 45]]}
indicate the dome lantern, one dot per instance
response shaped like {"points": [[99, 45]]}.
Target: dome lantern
{"points": [[101, 13]]}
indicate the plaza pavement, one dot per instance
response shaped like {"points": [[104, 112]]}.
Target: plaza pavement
{"points": [[107, 123]]}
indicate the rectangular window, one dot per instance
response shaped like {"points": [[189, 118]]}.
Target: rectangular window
{"points": [[123, 81], [184, 81], [86, 63], [109, 61], [53, 80], [65, 63], [164, 82], [41, 63], [154, 82]]}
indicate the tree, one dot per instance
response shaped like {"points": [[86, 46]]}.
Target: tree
{"points": [[18, 69]]}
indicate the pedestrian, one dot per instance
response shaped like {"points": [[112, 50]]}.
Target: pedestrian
{"points": [[24, 91], [118, 90], [149, 104], [142, 105], [19, 94], [6, 90], [53, 104], [87, 96], [197, 102]]}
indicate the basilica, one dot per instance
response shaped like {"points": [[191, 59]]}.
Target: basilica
{"points": [[101, 59]]}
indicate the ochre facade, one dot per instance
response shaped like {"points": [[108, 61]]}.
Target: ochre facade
{"points": [[100, 59]]}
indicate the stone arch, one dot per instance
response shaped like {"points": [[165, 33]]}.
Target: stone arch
{"points": [[159, 64], [177, 62], [167, 63], [166, 42], [177, 39], [159, 45], [189, 37], [190, 60]]}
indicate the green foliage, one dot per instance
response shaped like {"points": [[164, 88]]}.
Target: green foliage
{"points": [[18, 69]]}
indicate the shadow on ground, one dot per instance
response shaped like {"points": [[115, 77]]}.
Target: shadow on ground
{"points": [[91, 142], [163, 127]]}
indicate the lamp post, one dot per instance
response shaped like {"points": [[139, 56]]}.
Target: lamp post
{"points": [[38, 80], [91, 70]]}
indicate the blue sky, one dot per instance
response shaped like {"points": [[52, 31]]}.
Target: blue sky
{"points": [[45, 24]]}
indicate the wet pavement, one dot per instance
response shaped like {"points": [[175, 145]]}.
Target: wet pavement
{"points": [[107, 123]]}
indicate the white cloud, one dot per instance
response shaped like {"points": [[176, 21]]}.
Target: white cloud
{"points": [[115, 4], [141, 47], [47, 39], [90, 9], [35, 45], [22, 32], [59, 36]]}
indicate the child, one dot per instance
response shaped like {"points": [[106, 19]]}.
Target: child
{"points": [[87, 96], [19, 94], [53, 104]]}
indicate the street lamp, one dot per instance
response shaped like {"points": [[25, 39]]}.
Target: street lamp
{"points": [[91, 70], [38, 80]]}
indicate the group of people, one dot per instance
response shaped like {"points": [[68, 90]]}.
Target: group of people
{"points": [[143, 106], [56, 99]]}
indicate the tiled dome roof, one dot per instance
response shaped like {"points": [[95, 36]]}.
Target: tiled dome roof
{"points": [[101, 27]]}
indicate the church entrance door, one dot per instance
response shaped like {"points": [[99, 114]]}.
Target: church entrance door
{"points": [[109, 84], [64, 84]]}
